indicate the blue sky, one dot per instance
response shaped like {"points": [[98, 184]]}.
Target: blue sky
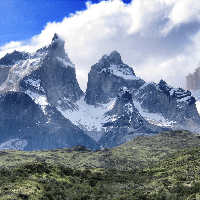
{"points": [[22, 19], [159, 39]]}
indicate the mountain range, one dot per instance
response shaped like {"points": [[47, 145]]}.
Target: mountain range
{"points": [[43, 107]]}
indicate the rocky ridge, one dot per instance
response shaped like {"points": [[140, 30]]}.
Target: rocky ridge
{"points": [[33, 88], [193, 80], [116, 107], [125, 122], [107, 76]]}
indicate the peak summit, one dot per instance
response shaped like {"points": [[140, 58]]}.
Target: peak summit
{"points": [[55, 37], [57, 47], [115, 58]]}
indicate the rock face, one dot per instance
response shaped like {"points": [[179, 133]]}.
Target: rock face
{"points": [[11, 58], [55, 78], [173, 104], [125, 122], [24, 126], [8, 60], [35, 86], [107, 76], [193, 80], [4, 70], [43, 107], [177, 106]]}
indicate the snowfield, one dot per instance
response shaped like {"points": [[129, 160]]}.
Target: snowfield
{"points": [[89, 116], [154, 118]]}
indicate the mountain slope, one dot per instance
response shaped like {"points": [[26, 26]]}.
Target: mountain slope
{"points": [[24, 126], [105, 80], [36, 84], [116, 107], [125, 122], [107, 76], [138, 152], [163, 104], [175, 177]]}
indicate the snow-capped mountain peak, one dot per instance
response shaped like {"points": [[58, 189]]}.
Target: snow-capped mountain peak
{"points": [[42, 105], [107, 76], [178, 94]]}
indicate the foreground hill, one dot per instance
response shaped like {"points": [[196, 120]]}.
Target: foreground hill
{"points": [[175, 177], [137, 153]]}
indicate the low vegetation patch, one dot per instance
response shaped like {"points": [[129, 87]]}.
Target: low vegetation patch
{"points": [[175, 177], [157, 173], [139, 152]]}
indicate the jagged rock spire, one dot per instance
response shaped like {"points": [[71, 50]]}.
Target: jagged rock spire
{"points": [[115, 58], [55, 37], [107, 76]]}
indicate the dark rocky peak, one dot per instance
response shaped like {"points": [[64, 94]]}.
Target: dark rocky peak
{"points": [[176, 105], [106, 61], [12, 58], [124, 95], [57, 41], [176, 93], [115, 58], [55, 49], [125, 122], [103, 63], [56, 76], [162, 85], [55, 37], [123, 104], [107, 76]]}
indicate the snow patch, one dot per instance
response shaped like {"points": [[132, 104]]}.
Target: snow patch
{"points": [[184, 99], [37, 98], [125, 73], [153, 118], [130, 107], [89, 116], [22, 68], [67, 64], [14, 144], [35, 83], [198, 106]]}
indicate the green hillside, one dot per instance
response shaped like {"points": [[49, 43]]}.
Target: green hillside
{"points": [[175, 177], [137, 153]]}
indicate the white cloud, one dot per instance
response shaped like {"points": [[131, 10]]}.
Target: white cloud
{"points": [[158, 38], [183, 11], [11, 45]]}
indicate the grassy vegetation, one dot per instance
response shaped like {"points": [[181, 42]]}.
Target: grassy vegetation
{"points": [[107, 174], [175, 177], [139, 152], [40, 180]]}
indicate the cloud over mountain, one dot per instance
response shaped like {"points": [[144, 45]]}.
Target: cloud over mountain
{"points": [[158, 38]]}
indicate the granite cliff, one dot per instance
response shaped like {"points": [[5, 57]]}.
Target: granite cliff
{"points": [[43, 107]]}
